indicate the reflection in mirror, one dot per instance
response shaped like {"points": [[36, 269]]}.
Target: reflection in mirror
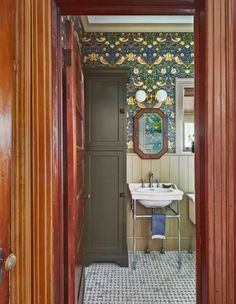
{"points": [[150, 133], [188, 118], [184, 115]]}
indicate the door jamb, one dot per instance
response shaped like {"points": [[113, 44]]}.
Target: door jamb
{"points": [[155, 11], [204, 172], [216, 24]]}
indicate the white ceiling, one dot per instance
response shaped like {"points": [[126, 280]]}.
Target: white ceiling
{"points": [[138, 23], [139, 19]]}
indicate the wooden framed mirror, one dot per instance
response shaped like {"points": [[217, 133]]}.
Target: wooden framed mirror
{"points": [[150, 133]]}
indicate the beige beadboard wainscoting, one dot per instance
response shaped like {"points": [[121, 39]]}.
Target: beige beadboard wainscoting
{"points": [[174, 168]]}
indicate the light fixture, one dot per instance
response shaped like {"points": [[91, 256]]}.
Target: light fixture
{"points": [[140, 96], [160, 96]]}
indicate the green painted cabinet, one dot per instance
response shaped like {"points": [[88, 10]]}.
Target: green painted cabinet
{"points": [[105, 102]]}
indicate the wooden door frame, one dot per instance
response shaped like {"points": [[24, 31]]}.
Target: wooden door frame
{"points": [[215, 85], [35, 169], [7, 84], [209, 277]]}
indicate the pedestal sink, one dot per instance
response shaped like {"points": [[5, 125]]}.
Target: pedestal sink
{"points": [[155, 197]]}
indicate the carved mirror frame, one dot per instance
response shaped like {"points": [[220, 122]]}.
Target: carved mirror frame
{"points": [[164, 134]]}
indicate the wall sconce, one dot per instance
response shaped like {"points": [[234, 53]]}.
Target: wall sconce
{"points": [[160, 96]]}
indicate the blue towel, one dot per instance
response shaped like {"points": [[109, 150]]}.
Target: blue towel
{"points": [[158, 226]]}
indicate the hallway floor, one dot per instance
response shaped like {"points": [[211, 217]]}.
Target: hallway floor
{"points": [[156, 280]]}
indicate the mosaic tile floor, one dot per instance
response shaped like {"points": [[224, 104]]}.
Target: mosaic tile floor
{"points": [[156, 280]]}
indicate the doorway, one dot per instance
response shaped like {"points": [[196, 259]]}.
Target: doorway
{"points": [[154, 60], [200, 145], [215, 180]]}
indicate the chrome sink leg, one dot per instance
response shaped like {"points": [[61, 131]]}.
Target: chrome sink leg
{"points": [[147, 249], [162, 247], [134, 236], [179, 237]]}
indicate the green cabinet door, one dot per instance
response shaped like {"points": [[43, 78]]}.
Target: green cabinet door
{"points": [[105, 98]]}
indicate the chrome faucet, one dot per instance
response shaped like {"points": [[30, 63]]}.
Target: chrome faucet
{"points": [[142, 180], [150, 180], [158, 182]]}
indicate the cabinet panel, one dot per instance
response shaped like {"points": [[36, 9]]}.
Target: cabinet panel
{"points": [[105, 111], [105, 173], [106, 208]]}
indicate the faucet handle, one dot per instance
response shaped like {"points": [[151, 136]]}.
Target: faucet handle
{"points": [[142, 180], [157, 181]]}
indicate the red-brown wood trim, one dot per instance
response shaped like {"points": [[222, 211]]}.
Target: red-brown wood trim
{"points": [[104, 3], [214, 261], [7, 77], [234, 113], [70, 176], [122, 7], [215, 154], [74, 161], [43, 180], [58, 238], [126, 10], [136, 134], [21, 234], [200, 157]]}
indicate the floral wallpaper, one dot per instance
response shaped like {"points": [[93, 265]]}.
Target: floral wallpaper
{"points": [[154, 59]]}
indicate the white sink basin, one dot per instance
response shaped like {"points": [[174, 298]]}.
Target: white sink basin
{"points": [[155, 197], [154, 190]]}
